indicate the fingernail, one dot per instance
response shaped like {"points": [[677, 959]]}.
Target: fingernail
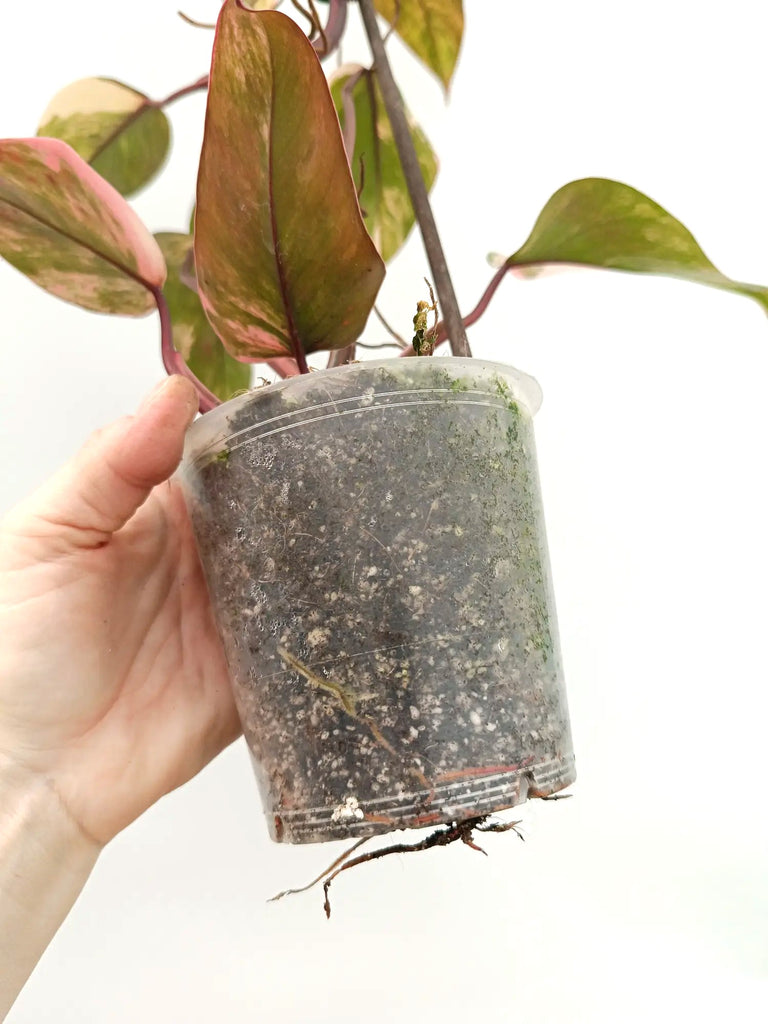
{"points": [[190, 395], [184, 390], [152, 395]]}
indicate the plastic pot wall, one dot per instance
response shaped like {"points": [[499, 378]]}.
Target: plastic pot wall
{"points": [[374, 545]]}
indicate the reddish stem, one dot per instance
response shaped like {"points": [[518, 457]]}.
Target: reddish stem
{"points": [[334, 29], [173, 360], [284, 366], [186, 90]]}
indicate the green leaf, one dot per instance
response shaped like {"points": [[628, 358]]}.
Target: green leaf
{"points": [[284, 263], [193, 336], [431, 28], [114, 128], [601, 223], [384, 197], [67, 229]]}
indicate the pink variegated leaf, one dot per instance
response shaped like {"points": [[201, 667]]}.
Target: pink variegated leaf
{"points": [[68, 230]]}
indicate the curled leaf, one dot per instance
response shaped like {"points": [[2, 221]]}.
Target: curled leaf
{"points": [[375, 163], [68, 230], [193, 336], [114, 128], [284, 263], [433, 29], [602, 223]]}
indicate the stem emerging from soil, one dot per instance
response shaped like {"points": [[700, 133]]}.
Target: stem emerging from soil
{"points": [[415, 182]]}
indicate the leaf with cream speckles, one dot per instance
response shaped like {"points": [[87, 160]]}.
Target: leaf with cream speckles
{"points": [[433, 29], [384, 198], [193, 335], [284, 263], [111, 126], [67, 229], [601, 223]]}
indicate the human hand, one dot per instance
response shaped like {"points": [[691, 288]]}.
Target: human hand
{"points": [[113, 683]]}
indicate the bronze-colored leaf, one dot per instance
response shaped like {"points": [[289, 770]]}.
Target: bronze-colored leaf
{"points": [[284, 263]]}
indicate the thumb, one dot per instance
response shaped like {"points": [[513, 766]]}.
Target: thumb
{"points": [[99, 490]]}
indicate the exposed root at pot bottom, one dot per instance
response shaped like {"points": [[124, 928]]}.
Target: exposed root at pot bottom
{"points": [[451, 833]]}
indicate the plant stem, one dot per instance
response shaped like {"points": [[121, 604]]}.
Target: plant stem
{"points": [[341, 356], [195, 24], [399, 341], [415, 182], [334, 29], [173, 361], [201, 83]]}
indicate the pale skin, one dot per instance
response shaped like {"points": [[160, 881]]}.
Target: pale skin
{"points": [[113, 684]]}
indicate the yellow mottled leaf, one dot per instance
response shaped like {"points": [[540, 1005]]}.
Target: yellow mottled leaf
{"points": [[116, 129], [597, 222], [384, 197], [433, 29]]}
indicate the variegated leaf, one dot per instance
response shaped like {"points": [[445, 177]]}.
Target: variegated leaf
{"points": [[376, 166], [284, 263], [116, 129], [67, 229], [193, 336], [433, 29], [602, 223]]}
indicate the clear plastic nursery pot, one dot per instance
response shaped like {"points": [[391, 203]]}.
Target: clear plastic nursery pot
{"points": [[374, 545]]}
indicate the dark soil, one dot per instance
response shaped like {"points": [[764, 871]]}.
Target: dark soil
{"points": [[374, 543]]}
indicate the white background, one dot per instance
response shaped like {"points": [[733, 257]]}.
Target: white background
{"points": [[646, 896]]}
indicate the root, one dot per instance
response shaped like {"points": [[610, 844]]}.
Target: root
{"points": [[320, 877], [454, 832]]}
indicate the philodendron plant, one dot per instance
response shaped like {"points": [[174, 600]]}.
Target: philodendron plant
{"points": [[395, 658], [306, 188]]}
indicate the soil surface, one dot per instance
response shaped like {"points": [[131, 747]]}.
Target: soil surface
{"points": [[374, 544]]}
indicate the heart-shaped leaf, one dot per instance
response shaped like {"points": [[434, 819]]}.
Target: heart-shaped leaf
{"points": [[601, 223], [431, 28], [284, 263], [375, 163], [116, 129], [193, 336], [67, 229]]}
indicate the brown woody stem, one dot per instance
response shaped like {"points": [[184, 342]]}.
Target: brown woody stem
{"points": [[414, 179]]}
